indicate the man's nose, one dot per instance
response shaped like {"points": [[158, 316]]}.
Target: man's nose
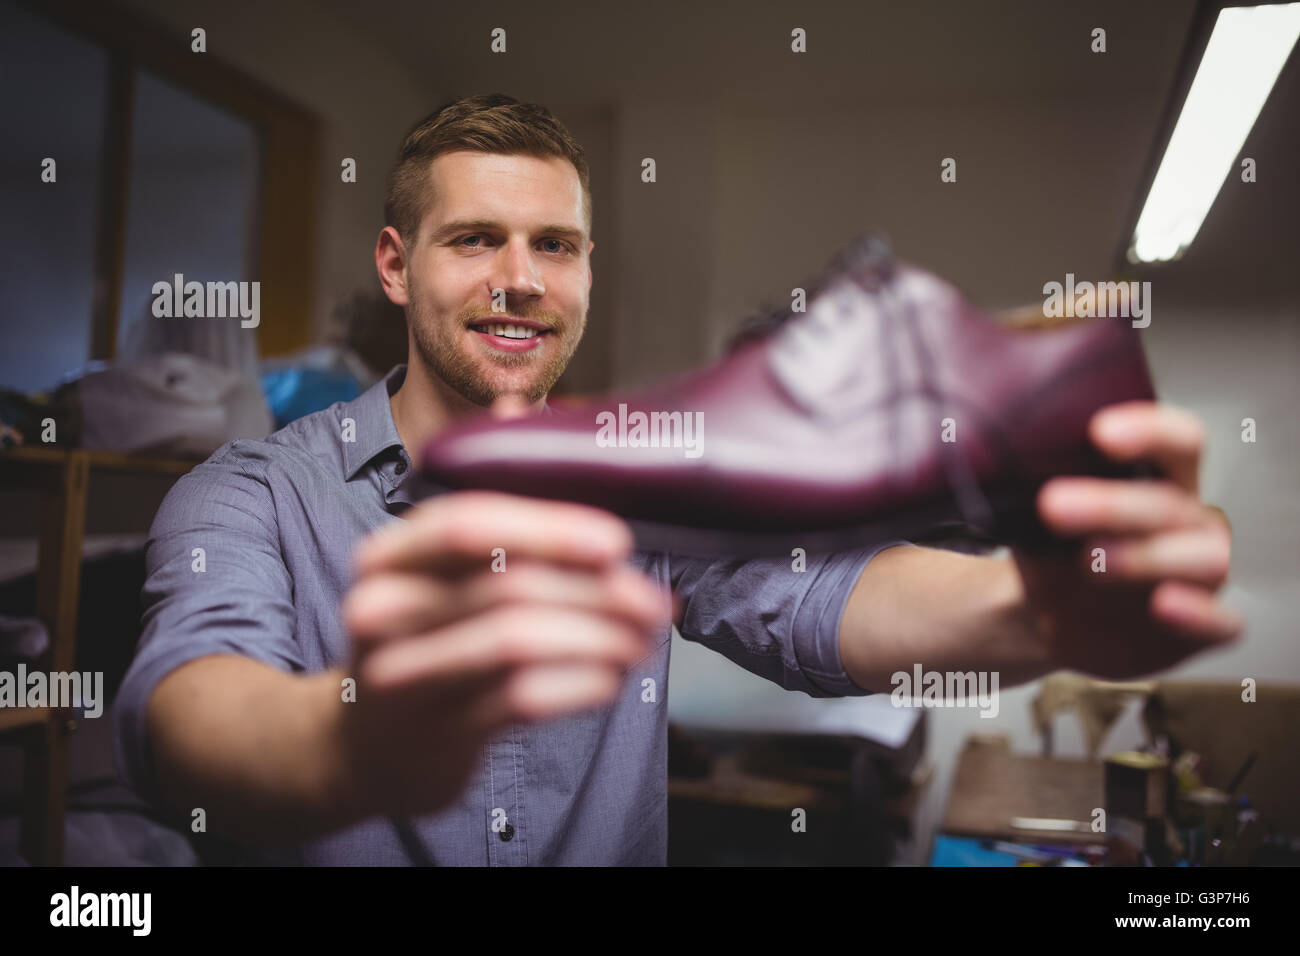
{"points": [[516, 272]]}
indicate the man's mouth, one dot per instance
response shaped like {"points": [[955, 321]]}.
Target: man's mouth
{"points": [[511, 336], [507, 331]]}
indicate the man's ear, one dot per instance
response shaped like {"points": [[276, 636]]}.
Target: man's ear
{"points": [[391, 263], [590, 246]]}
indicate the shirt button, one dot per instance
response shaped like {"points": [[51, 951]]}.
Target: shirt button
{"points": [[507, 833], [401, 467]]}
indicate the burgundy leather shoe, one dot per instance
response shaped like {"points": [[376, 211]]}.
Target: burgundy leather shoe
{"points": [[889, 409]]}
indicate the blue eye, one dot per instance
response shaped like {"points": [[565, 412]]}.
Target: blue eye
{"points": [[464, 241]]}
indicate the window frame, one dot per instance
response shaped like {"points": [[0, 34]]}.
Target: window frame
{"points": [[289, 140]]}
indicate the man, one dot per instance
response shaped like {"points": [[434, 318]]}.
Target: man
{"points": [[484, 682]]}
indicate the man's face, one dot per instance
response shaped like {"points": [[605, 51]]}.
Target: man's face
{"points": [[508, 229]]}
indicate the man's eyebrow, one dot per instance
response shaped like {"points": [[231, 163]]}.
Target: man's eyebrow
{"points": [[457, 226]]}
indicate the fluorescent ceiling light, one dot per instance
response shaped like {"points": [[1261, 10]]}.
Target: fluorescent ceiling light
{"points": [[1246, 52]]}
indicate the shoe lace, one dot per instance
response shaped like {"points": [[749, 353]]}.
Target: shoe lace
{"points": [[869, 261]]}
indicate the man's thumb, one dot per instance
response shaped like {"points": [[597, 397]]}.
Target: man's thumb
{"points": [[509, 406]]}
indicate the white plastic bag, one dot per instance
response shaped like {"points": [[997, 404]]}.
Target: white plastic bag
{"points": [[172, 404]]}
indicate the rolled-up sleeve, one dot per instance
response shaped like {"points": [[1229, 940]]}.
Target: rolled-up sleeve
{"points": [[216, 583], [775, 617]]}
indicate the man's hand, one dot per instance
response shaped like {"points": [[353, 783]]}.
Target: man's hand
{"points": [[1165, 553], [448, 651]]}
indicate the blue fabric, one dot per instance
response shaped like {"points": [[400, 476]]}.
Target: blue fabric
{"points": [[292, 393], [965, 851], [278, 520]]}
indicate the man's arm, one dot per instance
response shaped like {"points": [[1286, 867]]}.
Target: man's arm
{"points": [[255, 747], [445, 653], [777, 617], [215, 711], [943, 610], [1165, 553]]}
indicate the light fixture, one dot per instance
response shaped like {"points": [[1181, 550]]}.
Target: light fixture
{"points": [[1242, 61]]}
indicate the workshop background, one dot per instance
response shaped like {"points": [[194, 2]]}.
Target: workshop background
{"points": [[767, 163]]}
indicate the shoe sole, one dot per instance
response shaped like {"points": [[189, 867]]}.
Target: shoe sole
{"points": [[1015, 522]]}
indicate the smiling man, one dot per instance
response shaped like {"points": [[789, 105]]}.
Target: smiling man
{"points": [[521, 221], [495, 274], [485, 681]]}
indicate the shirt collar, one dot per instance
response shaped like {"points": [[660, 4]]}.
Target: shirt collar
{"points": [[375, 431]]}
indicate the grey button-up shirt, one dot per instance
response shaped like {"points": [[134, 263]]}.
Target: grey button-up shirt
{"points": [[250, 554]]}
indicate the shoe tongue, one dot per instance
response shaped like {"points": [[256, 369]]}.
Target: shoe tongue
{"points": [[869, 258]]}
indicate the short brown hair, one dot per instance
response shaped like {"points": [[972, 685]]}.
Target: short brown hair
{"points": [[491, 123]]}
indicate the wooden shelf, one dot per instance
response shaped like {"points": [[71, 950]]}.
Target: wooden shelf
{"points": [[62, 477], [107, 460], [13, 718]]}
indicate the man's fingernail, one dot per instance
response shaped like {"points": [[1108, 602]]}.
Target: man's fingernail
{"points": [[1116, 428], [1065, 501], [594, 549]]}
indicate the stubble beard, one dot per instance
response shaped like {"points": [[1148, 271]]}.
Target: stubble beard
{"points": [[446, 353]]}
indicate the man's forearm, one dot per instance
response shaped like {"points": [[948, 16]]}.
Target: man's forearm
{"points": [[942, 610], [254, 747]]}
